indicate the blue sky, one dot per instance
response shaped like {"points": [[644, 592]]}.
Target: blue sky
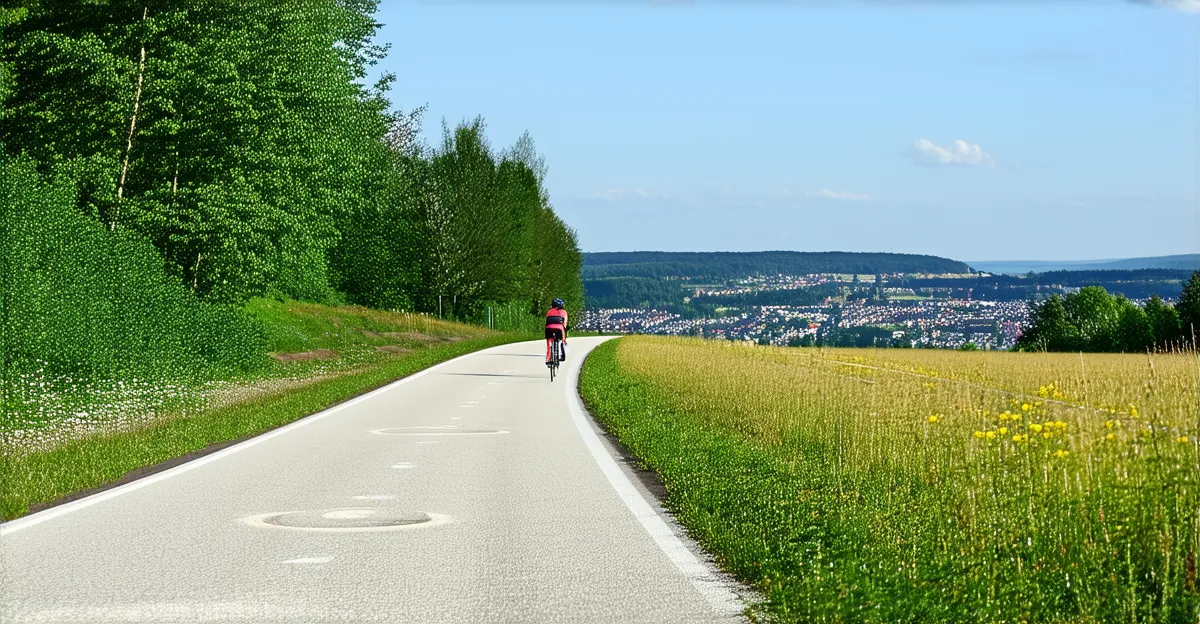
{"points": [[972, 130]]}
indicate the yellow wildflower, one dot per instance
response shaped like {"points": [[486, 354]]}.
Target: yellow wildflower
{"points": [[1111, 436], [1182, 439], [978, 434], [1109, 424], [933, 419], [1020, 438], [990, 435], [1061, 453], [1046, 434], [1036, 428], [1016, 417], [1025, 407], [1005, 416], [1133, 411], [1060, 425], [1003, 430]]}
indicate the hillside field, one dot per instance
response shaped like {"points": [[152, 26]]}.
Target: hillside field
{"points": [[922, 486]]}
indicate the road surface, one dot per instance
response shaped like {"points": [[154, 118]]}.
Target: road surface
{"points": [[477, 491]]}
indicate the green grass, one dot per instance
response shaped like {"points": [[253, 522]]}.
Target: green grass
{"points": [[854, 485], [77, 465], [294, 326]]}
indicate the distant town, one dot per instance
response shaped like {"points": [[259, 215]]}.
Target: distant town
{"points": [[892, 310]]}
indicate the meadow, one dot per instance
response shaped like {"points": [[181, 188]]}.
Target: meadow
{"points": [[858, 485]]}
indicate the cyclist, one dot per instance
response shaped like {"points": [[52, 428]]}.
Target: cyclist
{"points": [[556, 327]]}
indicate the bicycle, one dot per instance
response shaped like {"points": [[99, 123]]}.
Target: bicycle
{"points": [[555, 357]]}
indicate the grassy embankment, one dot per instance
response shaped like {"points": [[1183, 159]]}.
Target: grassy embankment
{"points": [[323, 356], [923, 486]]}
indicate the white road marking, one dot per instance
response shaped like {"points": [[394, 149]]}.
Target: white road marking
{"points": [[13, 526], [261, 521], [427, 442], [349, 514], [702, 578], [309, 560], [375, 497], [403, 465], [456, 418], [473, 402], [466, 406]]}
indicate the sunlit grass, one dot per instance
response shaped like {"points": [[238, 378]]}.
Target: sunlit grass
{"points": [[913, 486]]}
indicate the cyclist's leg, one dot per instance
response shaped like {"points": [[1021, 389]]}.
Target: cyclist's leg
{"points": [[549, 343], [562, 347]]}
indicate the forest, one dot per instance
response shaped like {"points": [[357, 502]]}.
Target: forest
{"points": [[166, 162], [735, 265]]}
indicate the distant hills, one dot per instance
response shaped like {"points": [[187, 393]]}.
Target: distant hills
{"points": [[732, 264], [1188, 262]]}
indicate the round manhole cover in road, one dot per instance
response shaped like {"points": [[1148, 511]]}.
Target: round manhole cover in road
{"points": [[437, 430], [347, 520]]}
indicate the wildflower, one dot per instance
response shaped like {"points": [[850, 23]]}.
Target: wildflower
{"points": [[1060, 425], [1111, 436], [1133, 410], [1005, 416], [979, 434], [1016, 417], [1060, 453], [990, 435], [1020, 438], [1025, 407], [1034, 427], [1109, 424], [1003, 430], [1182, 439], [934, 418]]}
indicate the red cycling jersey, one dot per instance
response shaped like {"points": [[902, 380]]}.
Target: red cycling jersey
{"points": [[556, 318]]}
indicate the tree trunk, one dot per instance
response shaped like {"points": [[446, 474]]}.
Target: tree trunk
{"points": [[137, 101], [196, 271]]}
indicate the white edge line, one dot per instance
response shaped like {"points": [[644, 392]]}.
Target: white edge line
{"points": [[25, 522], [712, 587]]}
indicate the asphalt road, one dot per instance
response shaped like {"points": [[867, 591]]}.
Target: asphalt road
{"points": [[477, 491]]}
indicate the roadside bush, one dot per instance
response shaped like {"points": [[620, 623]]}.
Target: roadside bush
{"points": [[81, 302]]}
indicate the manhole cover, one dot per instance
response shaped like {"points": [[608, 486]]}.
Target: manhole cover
{"points": [[347, 520], [437, 430]]}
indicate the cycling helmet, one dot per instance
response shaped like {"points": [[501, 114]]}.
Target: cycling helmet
{"points": [[558, 303]]}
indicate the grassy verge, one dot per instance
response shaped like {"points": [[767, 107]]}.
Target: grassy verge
{"points": [[948, 487], [68, 442], [36, 479]]}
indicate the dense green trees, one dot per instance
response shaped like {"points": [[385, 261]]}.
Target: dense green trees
{"points": [[1094, 320], [237, 139]]}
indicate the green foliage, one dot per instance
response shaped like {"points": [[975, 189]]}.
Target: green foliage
{"points": [[1189, 307], [457, 229], [1164, 322], [1095, 321], [80, 302], [231, 134], [723, 265]]}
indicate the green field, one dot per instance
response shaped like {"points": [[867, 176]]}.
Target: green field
{"points": [[922, 486], [323, 355]]}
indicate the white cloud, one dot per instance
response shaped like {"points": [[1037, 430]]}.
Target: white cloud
{"points": [[610, 194], [961, 153], [840, 195], [1187, 6]]}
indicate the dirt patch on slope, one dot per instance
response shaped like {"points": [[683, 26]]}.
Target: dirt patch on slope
{"points": [[319, 354]]}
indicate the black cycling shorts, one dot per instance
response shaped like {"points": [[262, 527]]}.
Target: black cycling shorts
{"points": [[554, 333]]}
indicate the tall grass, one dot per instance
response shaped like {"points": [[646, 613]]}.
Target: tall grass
{"points": [[924, 486]]}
